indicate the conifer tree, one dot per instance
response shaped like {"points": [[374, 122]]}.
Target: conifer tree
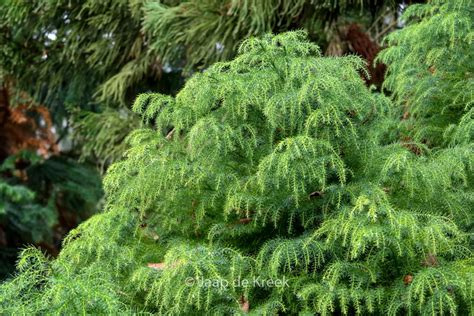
{"points": [[85, 61], [277, 165]]}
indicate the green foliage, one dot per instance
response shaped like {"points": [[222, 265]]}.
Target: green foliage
{"points": [[196, 33], [22, 214], [20, 211], [90, 53], [94, 57], [277, 165], [431, 71], [80, 56], [31, 210], [45, 41], [103, 134]]}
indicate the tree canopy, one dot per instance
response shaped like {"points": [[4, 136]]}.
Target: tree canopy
{"points": [[275, 181], [70, 70], [279, 164]]}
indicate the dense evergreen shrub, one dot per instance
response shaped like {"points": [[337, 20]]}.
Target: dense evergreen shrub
{"points": [[278, 165], [83, 63]]}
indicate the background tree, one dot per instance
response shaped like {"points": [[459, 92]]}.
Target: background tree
{"points": [[42, 195]]}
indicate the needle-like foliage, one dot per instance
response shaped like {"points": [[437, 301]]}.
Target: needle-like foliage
{"points": [[271, 184], [431, 62], [196, 33]]}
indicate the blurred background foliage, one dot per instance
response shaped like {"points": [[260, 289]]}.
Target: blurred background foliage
{"points": [[70, 69]]}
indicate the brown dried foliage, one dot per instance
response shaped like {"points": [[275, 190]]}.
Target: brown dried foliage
{"points": [[24, 126]]}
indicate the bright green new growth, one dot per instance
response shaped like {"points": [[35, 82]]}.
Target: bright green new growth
{"points": [[277, 165]]}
